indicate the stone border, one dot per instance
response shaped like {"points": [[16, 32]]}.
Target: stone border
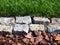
{"points": [[26, 20]]}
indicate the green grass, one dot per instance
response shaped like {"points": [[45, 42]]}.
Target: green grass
{"points": [[30, 7]]}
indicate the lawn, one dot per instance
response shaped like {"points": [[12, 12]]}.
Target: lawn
{"points": [[30, 7]]}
